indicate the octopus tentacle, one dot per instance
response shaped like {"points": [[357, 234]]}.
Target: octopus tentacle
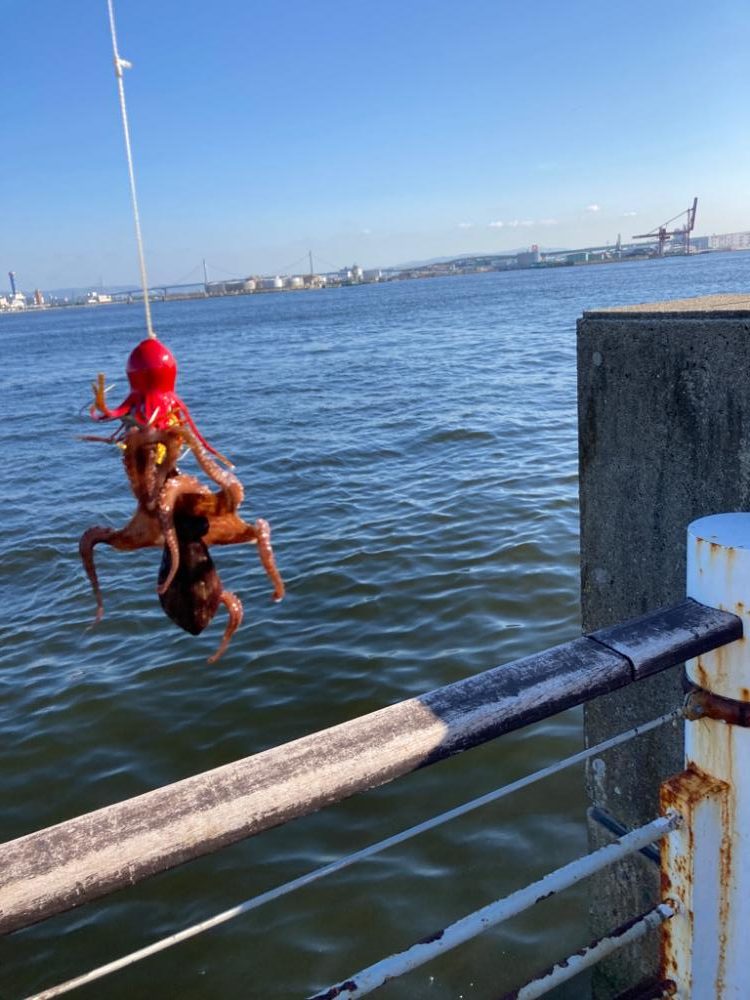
{"points": [[140, 532], [185, 412], [224, 478], [267, 558], [150, 480], [234, 607], [99, 409], [90, 538], [173, 488], [150, 458]]}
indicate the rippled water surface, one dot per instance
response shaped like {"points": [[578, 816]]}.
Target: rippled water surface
{"points": [[414, 448]]}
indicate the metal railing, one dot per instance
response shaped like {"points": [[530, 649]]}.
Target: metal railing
{"points": [[77, 861]]}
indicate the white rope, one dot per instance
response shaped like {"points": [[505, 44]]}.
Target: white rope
{"points": [[349, 859], [120, 65]]}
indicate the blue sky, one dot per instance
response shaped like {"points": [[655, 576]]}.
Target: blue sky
{"points": [[369, 132]]}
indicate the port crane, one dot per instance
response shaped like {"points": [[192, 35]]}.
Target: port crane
{"points": [[662, 235]]}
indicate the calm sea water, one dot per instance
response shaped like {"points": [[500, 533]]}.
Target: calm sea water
{"points": [[414, 447]]}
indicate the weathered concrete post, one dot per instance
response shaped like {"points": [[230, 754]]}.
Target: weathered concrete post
{"points": [[664, 438]]}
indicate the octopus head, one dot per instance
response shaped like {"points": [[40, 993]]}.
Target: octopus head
{"points": [[152, 368]]}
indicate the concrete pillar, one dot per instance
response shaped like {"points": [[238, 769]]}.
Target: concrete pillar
{"points": [[664, 438]]}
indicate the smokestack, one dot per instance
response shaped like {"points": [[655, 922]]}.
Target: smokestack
{"points": [[12, 276]]}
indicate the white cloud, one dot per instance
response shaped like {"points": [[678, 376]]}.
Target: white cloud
{"points": [[524, 223], [593, 208], [629, 215], [465, 225], [366, 232]]}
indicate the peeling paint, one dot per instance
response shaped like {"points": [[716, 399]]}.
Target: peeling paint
{"points": [[431, 937], [349, 986]]}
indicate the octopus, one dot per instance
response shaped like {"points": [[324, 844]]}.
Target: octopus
{"points": [[195, 593], [175, 510]]}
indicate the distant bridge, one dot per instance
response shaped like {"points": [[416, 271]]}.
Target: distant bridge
{"points": [[156, 291]]}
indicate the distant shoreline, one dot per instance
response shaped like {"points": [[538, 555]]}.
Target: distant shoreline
{"points": [[454, 269]]}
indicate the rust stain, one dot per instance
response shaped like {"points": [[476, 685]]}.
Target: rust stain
{"points": [[701, 675], [714, 669], [651, 991], [666, 944], [682, 792], [720, 667], [725, 862], [686, 789], [672, 796]]}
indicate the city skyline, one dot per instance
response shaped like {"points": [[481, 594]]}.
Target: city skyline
{"points": [[377, 135]]}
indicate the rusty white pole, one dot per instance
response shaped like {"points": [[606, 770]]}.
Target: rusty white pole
{"points": [[706, 864]]}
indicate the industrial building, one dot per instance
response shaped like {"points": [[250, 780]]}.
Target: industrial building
{"points": [[16, 300], [722, 241], [527, 258]]}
